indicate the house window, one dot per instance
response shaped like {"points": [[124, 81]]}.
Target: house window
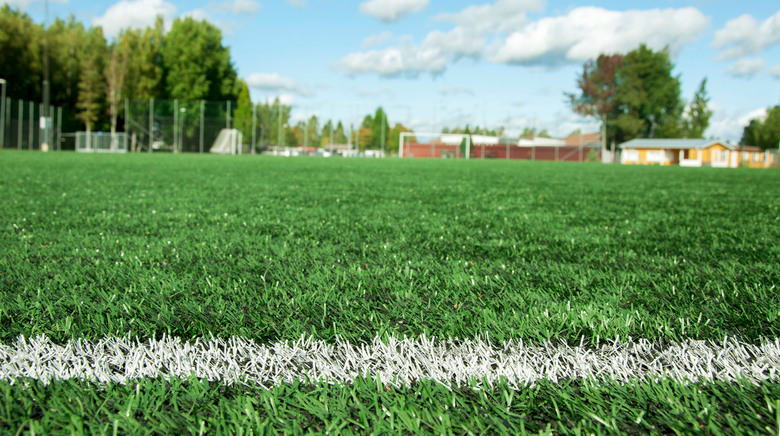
{"points": [[630, 155], [755, 157], [717, 155], [745, 155], [655, 156]]}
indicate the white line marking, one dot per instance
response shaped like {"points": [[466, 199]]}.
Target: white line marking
{"points": [[393, 360]]}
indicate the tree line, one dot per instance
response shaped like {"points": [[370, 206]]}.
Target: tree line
{"points": [[633, 95], [764, 133], [189, 62], [636, 95], [95, 76]]}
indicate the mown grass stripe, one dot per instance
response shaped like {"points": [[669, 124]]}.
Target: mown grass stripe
{"points": [[398, 361]]}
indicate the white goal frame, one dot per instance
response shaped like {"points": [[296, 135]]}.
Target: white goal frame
{"points": [[457, 136]]}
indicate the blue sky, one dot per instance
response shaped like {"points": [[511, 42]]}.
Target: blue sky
{"points": [[448, 63]]}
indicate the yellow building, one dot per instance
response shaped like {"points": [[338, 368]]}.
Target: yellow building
{"points": [[754, 157], [683, 152]]}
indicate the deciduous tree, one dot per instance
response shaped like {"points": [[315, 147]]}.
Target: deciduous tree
{"points": [[197, 65], [395, 137], [648, 96], [763, 133], [243, 114], [92, 84], [115, 72], [20, 54], [380, 130], [598, 91], [144, 76]]}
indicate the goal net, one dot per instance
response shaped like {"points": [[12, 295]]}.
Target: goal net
{"points": [[434, 145], [228, 142]]}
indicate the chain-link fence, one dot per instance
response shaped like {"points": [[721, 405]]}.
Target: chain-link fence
{"points": [[189, 126], [23, 126], [101, 142]]}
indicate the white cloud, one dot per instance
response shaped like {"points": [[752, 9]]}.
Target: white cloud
{"points": [[406, 60], [458, 42], [275, 82], [391, 10], [432, 55], [375, 40], [775, 71], [745, 36], [502, 16], [586, 32], [137, 14], [227, 27], [285, 99], [134, 14], [197, 15], [746, 67], [730, 125], [238, 7], [582, 34], [297, 3]]}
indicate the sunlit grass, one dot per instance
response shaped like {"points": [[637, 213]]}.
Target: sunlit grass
{"points": [[272, 249]]}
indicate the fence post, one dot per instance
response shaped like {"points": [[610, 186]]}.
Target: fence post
{"points": [[20, 126], [227, 117], [201, 126], [40, 134], [31, 132], [5, 117], [59, 128], [7, 120], [175, 125], [2, 115], [254, 126], [127, 120], [151, 123]]}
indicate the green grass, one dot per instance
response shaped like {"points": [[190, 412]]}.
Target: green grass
{"points": [[573, 407], [273, 248]]}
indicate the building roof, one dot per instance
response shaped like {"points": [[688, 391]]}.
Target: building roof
{"points": [[583, 139], [673, 143]]}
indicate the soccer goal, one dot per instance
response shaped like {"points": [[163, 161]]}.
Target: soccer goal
{"points": [[228, 142], [434, 145]]}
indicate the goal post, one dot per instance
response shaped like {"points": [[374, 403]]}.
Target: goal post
{"points": [[444, 143]]}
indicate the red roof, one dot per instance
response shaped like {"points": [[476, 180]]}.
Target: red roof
{"points": [[583, 139]]}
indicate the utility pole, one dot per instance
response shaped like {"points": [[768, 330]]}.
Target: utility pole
{"points": [[45, 116], [2, 114]]}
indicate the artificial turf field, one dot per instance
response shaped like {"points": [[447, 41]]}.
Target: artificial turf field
{"points": [[275, 249]]}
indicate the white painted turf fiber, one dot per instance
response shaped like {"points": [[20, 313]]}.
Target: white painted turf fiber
{"points": [[469, 362]]}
